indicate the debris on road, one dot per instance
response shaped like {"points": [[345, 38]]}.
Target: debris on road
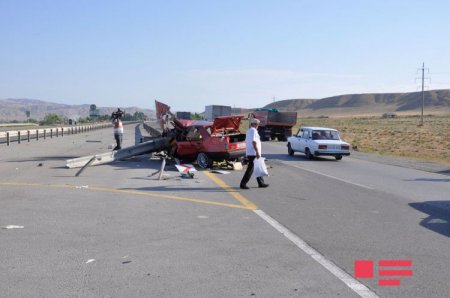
{"points": [[8, 227], [82, 186], [220, 172]]}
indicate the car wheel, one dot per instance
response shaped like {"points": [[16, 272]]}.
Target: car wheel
{"points": [[203, 160], [290, 151], [308, 154], [338, 157]]}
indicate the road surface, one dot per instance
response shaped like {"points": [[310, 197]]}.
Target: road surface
{"points": [[118, 231]]}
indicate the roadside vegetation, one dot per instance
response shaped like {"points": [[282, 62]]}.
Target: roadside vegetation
{"points": [[399, 136]]}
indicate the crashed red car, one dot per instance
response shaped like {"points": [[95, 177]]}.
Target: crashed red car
{"points": [[206, 142]]}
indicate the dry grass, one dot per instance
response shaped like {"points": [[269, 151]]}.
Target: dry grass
{"points": [[401, 136]]}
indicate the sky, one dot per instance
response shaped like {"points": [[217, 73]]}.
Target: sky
{"points": [[242, 53]]}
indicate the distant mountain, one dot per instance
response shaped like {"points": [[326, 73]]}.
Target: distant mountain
{"points": [[435, 101], [369, 104], [396, 101], [15, 109]]}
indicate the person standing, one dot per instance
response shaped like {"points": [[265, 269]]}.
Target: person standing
{"points": [[118, 128], [253, 144]]}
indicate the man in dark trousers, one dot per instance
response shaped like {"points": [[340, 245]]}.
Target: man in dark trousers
{"points": [[118, 128], [253, 143]]}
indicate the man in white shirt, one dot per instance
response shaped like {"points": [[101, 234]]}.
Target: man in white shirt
{"points": [[118, 128], [253, 144]]}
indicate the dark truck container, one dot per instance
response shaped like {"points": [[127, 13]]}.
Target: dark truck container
{"points": [[275, 124]]}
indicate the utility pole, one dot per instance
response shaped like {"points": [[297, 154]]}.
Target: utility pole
{"points": [[423, 93]]}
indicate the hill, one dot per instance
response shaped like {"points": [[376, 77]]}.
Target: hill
{"points": [[290, 104], [435, 101], [15, 109]]}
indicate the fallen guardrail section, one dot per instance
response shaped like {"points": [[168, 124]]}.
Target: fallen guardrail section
{"points": [[155, 145]]}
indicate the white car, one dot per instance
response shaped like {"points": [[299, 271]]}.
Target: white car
{"points": [[318, 141]]}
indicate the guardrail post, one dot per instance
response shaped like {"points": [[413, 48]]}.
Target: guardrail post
{"points": [[62, 131], [45, 133], [57, 132], [7, 138], [18, 137], [37, 134], [28, 134], [51, 133]]}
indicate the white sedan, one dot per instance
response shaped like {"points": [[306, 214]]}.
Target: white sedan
{"points": [[318, 141]]}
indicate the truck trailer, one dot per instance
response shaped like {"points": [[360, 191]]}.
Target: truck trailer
{"points": [[274, 124], [213, 111]]}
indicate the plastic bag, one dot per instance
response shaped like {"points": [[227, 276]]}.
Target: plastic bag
{"points": [[260, 169]]}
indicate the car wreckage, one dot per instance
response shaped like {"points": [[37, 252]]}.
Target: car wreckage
{"points": [[202, 141]]}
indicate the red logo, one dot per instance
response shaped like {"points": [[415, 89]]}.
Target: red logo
{"points": [[387, 270]]}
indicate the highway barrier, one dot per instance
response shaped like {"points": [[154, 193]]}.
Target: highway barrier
{"points": [[18, 136]]}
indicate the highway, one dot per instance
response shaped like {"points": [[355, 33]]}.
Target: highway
{"points": [[118, 231]]}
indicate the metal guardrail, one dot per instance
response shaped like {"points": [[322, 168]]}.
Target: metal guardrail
{"points": [[7, 137], [151, 130]]}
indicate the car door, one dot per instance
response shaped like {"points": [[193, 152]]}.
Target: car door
{"points": [[190, 146], [304, 140], [296, 139]]}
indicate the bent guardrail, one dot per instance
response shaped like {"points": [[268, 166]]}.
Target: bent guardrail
{"points": [[18, 136]]}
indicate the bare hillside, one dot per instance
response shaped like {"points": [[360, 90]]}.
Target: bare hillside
{"points": [[435, 101], [15, 109], [290, 104]]}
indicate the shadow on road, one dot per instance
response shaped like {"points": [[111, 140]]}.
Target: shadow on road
{"points": [[429, 180], [446, 172], [177, 188], [438, 219], [44, 158], [298, 157]]}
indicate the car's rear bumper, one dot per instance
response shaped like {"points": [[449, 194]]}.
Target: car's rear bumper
{"points": [[227, 155], [331, 153]]}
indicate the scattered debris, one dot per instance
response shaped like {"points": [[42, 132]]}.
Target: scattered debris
{"points": [[82, 186], [220, 172], [40, 164], [237, 166], [127, 261], [186, 170], [90, 261], [8, 227], [202, 217]]}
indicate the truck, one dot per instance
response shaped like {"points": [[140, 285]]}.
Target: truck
{"points": [[274, 124], [213, 111], [183, 115]]}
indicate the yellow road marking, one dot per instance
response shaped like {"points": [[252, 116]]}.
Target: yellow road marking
{"points": [[244, 201], [134, 192]]}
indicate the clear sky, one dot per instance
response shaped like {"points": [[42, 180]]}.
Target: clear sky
{"points": [[243, 53]]}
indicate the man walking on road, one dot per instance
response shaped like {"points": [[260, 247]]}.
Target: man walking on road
{"points": [[253, 144]]}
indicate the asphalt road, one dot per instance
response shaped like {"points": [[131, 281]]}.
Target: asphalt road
{"points": [[117, 231]]}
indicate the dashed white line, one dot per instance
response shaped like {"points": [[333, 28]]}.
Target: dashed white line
{"points": [[333, 177], [352, 283]]}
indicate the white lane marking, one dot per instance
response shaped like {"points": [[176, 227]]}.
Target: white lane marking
{"points": [[333, 177], [352, 283]]}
